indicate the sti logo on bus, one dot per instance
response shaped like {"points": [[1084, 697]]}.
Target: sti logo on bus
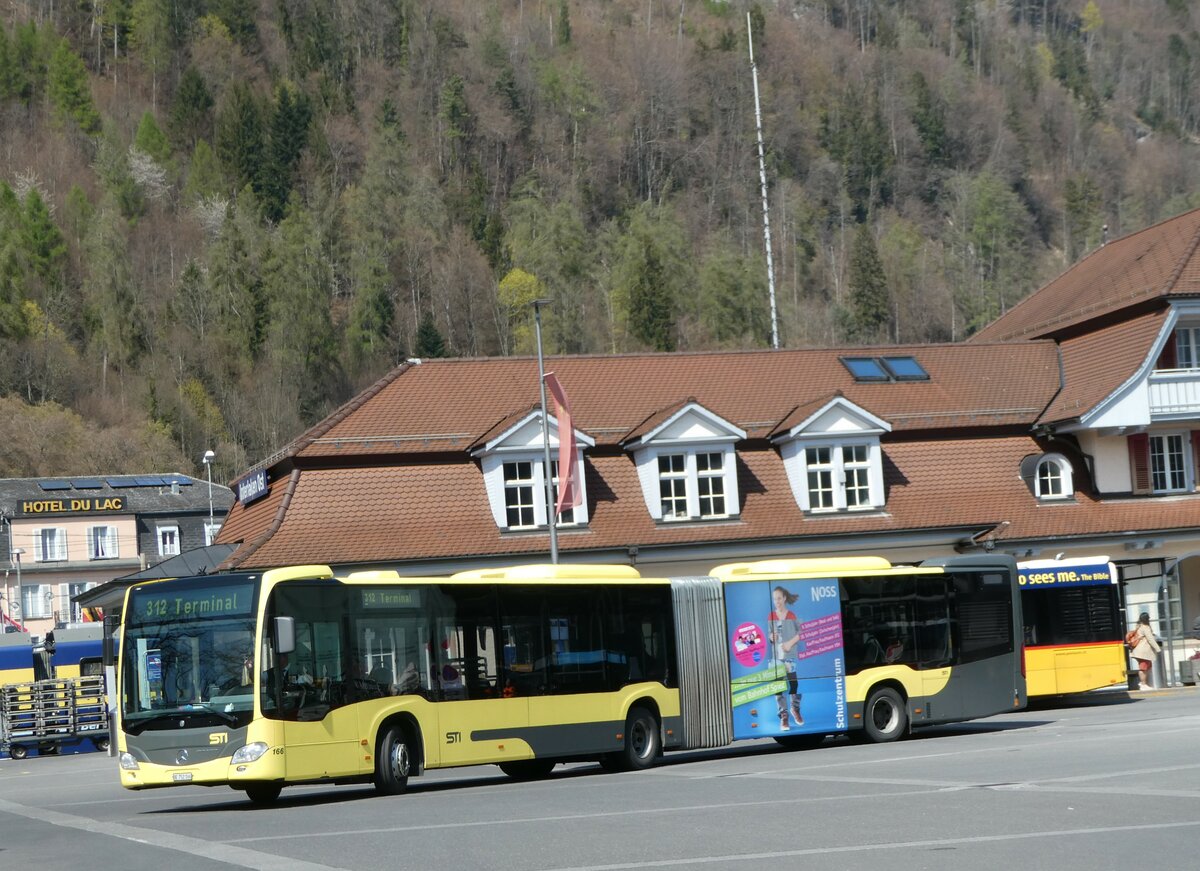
{"points": [[454, 737], [829, 591], [217, 738]]}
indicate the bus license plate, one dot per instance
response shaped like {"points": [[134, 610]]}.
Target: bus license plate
{"points": [[181, 776]]}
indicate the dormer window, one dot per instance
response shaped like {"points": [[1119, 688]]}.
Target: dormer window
{"points": [[687, 464], [1054, 478], [514, 474], [832, 456]]}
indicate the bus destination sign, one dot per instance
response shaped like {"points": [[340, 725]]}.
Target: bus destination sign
{"points": [[225, 601]]}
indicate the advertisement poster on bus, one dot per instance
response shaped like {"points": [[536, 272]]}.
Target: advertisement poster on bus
{"points": [[787, 668]]}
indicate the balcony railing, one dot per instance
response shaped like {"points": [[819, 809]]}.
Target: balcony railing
{"points": [[1174, 392]]}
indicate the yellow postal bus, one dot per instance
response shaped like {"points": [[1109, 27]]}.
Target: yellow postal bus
{"points": [[1073, 625], [294, 676]]}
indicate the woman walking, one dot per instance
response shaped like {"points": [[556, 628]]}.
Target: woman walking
{"points": [[1145, 649]]}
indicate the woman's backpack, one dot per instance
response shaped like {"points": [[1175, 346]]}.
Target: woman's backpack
{"points": [[1132, 637]]}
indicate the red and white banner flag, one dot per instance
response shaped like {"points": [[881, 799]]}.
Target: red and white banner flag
{"points": [[569, 492]]}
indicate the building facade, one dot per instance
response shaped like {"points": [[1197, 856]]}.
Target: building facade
{"points": [[1068, 427], [67, 535]]}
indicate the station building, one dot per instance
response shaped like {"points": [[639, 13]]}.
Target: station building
{"points": [[1069, 427]]}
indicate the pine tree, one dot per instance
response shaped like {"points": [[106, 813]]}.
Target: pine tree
{"points": [[69, 92], [430, 343], [150, 139], [868, 311], [289, 133], [204, 175], [191, 110], [651, 273], [239, 137], [12, 266], [44, 247]]}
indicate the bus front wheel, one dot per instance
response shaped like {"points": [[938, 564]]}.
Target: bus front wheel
{"points": [[884, 717], [393, 762], [263, 793], [641, 743], [18, 751]]}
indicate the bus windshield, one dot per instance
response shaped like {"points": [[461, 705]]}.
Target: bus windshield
{"points": [[187, 655]]}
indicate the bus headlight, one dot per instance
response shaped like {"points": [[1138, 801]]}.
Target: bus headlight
{"points": [[249, 753], [127, 762]]}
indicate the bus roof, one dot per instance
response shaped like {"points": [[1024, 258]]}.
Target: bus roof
{"points": [[551, 572], [813, 567]]}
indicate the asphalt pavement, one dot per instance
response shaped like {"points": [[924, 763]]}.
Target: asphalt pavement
{"points": [[1107, 781]]}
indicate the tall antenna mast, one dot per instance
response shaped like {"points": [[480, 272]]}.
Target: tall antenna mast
{"points": [[762, 183]]}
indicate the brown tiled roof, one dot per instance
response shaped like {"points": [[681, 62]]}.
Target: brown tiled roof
{"points": [[655, 419], [448, 405], [1096, 364], [399, 453], [1160, 261], [432, 511]]}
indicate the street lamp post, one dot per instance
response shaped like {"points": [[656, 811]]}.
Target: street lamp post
{"points": [[208, 458]]}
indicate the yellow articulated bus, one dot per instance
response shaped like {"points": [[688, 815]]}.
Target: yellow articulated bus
{"points": [[292, 676], [1073, 625]]}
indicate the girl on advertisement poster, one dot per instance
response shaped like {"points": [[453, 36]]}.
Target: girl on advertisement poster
{"points": [[783, 629]]}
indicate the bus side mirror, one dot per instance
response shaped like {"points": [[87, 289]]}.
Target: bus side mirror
{"points": [[285, 634]]}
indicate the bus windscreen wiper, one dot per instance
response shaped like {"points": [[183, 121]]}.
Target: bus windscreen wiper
{"points": [[139, 726]]}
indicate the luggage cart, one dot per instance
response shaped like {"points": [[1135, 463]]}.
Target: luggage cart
{"points": [[49, 714]]}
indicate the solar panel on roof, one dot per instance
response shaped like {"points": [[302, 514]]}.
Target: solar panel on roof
{"points": [[149, 481], [55, 485], [865, 369], [121, 482], [905, 368], [181, 480], [86, 484]]}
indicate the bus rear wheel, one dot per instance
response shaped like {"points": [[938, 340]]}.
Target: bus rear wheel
{"points": [[393, 762], [641, 743], [528, 769], [263, 793], [884, 716], [18, 751]]}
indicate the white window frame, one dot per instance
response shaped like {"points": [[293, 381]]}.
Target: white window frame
{"points": [[42, 597], [1187, 347], [652, 479], [1064, 476], [520, 493], [211, 531], [710, 483], [109, 549], [673, 486], [69, 591], [1179, 466], [41, 541], [836, 463], [163, 550]]}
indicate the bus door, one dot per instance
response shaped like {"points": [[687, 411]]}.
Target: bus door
{"points": [[312, 689], [482, 716], [934, 648]]}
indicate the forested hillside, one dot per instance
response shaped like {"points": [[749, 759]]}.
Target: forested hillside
{"points": [[219, 219]]}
